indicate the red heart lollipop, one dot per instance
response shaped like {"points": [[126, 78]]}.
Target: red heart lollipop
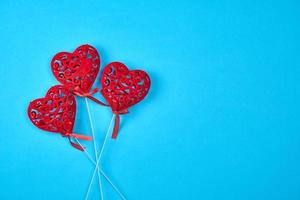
{"points": [[78, 70], [56, 113], [123, 88]]}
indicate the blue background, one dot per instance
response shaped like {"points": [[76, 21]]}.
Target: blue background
{"points": [[221, 120]]}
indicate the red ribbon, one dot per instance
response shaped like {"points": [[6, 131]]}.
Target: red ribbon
{"points": [[117, 122], [77, 136], [76, 146], [116, 127], [80, 93]]}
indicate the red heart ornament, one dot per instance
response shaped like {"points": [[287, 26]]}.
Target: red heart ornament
{"points": [[56, 113], [78, 70], [123, 88]]}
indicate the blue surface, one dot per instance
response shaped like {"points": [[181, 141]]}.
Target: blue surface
{"points": [[221, 120]]}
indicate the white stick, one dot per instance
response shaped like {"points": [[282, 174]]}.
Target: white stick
{"points": [[95, 145], [101, 171], [98, 162]]}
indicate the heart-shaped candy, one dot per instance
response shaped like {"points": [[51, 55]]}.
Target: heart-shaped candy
{"points": [[123, 88], [78, 70]]}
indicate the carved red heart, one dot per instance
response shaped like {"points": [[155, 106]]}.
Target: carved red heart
{"points": [[123, 88], [77, 70], [55, 112]]}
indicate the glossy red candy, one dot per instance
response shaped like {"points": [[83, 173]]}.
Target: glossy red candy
{"points": [[56, 113]]}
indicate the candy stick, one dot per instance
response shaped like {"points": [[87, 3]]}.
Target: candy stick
{"points": [[98, 162], [95, 145]]}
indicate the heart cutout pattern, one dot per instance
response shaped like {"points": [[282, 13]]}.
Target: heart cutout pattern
{"points": [[55, 112], [123, 88], [78, 70]]}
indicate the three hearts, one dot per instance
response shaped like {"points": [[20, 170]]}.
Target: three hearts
{"points": [[77, 73]]}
